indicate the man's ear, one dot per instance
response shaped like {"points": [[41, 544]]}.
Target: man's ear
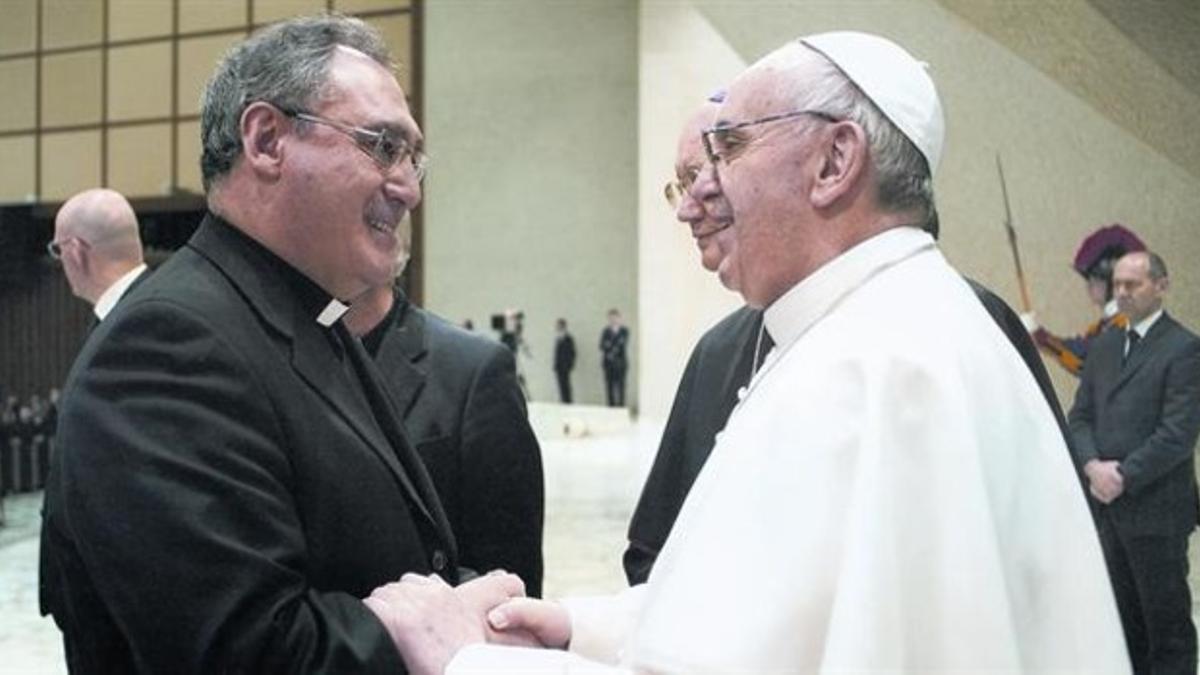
{"points": [[843, 163], [263, 127], [76, 256]]}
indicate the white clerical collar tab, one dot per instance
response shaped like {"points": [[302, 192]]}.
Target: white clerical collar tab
{"points": [[332, 312]]}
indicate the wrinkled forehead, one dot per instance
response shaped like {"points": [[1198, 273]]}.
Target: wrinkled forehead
{"points": [[367, 94], [756, 93], [771, 85]]}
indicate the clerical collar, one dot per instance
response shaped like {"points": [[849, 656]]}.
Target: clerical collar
{"points": [[804, 304], [1146, 324], [316, 301], [332, 312], [108, 299]]}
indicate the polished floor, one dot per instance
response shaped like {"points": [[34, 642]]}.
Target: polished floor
{"points": [[595, 462]]}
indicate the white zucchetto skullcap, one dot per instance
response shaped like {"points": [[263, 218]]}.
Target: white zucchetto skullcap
{"points": [[896, 83]]}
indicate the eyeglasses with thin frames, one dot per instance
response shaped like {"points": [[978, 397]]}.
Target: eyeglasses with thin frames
{"points": [[55, 247], [719, 145], [384, 147], [676, 189]]}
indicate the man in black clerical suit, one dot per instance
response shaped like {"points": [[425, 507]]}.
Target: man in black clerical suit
{"points": [[458, 396], [232, 480], [96, 239], [721, 363], [1135, 422]]}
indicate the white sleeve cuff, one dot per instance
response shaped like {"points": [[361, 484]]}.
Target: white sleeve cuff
{"points": [[601, 625]]}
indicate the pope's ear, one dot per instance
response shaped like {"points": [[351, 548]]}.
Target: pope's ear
{"points": [[263, 127], [842, 164]]}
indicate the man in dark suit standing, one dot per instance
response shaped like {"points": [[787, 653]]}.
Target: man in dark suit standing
{"points": [[1135, 421], [233, 480], [564, 359], [614, 358], [720, 364], [458, 396], [96, 239]]}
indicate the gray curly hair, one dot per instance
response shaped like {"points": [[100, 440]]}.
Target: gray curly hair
{"points": [[285, 64]]}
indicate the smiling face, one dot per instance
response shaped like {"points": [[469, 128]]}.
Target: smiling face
{"points": [[765, 183], [702, 207], [344, 209]]}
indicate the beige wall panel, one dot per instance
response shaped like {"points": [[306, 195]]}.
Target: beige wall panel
{"points": [[71, 88], [17, 81], [17, 30], [197, 15], [16, 171], [139, 160], [531, 118], [188, 157], [139, 82], [69, 23], [70, 163], [350, 6], [397, 30], [197, 59], [266, 11], [138, 18]]}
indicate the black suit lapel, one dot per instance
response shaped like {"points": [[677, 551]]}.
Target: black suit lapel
{"points": [[739, 376], [402, 356], [415, 477], [399, 375], [1144, 351]]}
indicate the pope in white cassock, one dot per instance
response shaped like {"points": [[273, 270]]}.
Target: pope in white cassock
{"points": [[892, 492]]}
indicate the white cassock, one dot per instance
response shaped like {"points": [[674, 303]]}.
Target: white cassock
{"points": [[892, 494]]}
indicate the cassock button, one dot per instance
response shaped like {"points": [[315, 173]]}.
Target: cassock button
{"points": [[438, 560], [742, 392]]}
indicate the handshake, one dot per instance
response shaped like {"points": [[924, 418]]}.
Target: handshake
{"points": [[430, 621]]}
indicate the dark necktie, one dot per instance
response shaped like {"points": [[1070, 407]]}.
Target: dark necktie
{"points": [[765, 344], [1133, 341]]}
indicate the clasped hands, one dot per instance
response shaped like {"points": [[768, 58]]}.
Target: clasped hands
{"points": [[430, 621], [1105, 480]]}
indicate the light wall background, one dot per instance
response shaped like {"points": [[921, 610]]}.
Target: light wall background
{"points": [[531, 202]]}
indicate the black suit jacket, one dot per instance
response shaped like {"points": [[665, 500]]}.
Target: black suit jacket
{"points": [[462, 407], [564, 353], [722, 361], [612, 347], [51, 424], [1147, 415], [225, 492]]}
